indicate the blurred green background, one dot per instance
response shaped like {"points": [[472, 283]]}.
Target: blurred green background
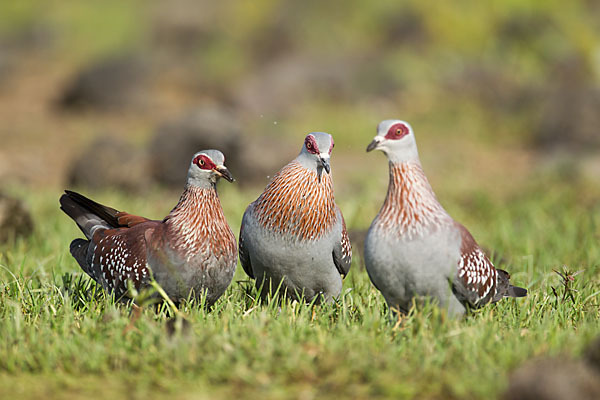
{"points": [[499, 93], [113, 97]]}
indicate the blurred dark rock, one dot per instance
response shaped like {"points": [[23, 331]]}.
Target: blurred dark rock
{"points": [[6, 67], [15, 219], [250, 161], [19, 45], [289, 80], [31, 37], [523, 29], [405, 27], [276, 37], [108, 84], [110, 163], [181, 27], [570, 117], [592, 354], [176, 141], [493, 88], [261, 159], [271, 42], [554, 379]]}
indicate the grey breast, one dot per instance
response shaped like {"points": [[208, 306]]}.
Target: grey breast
{"points": [[423, 266], [307, 266]]}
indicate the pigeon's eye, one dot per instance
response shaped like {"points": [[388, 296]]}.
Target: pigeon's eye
{"points": [[397, 131], [311, 145], [203, 162]]}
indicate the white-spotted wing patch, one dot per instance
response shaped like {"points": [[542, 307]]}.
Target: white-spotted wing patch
{"points": [[478, 275], [346, 245], [118, 262]]}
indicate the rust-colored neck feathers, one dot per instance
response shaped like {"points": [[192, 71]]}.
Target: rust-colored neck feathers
{"points": [[197, 225], [297, 203], [411, 207]]}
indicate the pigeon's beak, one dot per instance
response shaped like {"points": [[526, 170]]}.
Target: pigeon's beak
{"points": [[373, 145], [325, 163], [223, 172]]}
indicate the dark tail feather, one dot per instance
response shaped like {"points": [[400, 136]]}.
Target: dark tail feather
{"points": [[88, 214], [515, 291], [108, 214], [505, 289]]}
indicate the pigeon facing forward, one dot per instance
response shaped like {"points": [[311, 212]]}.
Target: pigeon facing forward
{"points": [[294, 235], [414, 249], [192, 250]]}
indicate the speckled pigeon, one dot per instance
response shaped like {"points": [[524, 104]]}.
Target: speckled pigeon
{"points": [[414, 249], [192, 250], [294, 235]]}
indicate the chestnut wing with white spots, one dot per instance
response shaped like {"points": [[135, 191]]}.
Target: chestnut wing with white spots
{"points": [[476, 279], [125, 219], [342, 250], [119, 256]]}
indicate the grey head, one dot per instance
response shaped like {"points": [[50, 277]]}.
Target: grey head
{"points": [[316, 152], [206, 167], [397, 140]]}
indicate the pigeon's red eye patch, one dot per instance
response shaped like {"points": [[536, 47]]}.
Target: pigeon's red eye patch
{"points": [[397, 131], [331, 147], [311, 144], [204, 162]]}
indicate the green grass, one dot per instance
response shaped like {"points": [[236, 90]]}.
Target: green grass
{"points": [[60, 338], [63, 339]]}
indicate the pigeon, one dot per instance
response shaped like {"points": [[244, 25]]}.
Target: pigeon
{"points": [[414, 250], [293, 238], [191, 252]]}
